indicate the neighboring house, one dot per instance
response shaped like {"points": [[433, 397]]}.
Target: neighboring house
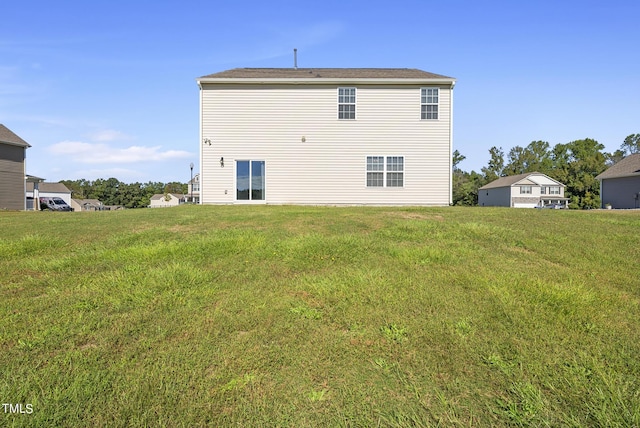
{"points": [[87, 205], [193, 189], [113, 207], [528, 190], [13, 154], [326, 136], [49, 190], [620, 184], [167, 200], [33, 182]]}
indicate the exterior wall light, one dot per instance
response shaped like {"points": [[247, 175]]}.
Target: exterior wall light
{"points": [[222, 162]]}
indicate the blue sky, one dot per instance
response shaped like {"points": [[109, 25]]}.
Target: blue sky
{"points": [[107, 88]]}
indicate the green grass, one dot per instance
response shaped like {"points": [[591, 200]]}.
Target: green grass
{"points": [[318, 316]]}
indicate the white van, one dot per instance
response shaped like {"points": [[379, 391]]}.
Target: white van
{"points": [[54, 204]]}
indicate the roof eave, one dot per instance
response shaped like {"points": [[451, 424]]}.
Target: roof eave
{"points": [[326, 81], [14, 143], [634, 174]]}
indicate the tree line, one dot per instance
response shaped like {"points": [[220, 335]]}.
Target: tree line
{"points": [[114, 192], [575, 164]]}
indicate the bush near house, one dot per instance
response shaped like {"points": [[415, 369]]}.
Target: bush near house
{"points": [[320, 316]]}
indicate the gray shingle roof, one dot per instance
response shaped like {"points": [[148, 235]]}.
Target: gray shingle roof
{"points": [[326, 73], [512, 179], [627, 167], [7, 136], [159, 196], [88, 201], [49, 187], [507, 181]]}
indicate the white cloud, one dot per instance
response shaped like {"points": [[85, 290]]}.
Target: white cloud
{"points": [[100, 153], [109, 135]]}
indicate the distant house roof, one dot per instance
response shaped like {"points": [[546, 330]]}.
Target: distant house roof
{"points": [[324, 74], [34, 179], [49, 187], [627, 167], [513, 179], [159, 196], [8, 137], [93, 202]]}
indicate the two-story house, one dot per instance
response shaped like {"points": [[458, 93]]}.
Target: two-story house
{"points": [[326, 136], [13, 154], [193, 189], [528, 190]]}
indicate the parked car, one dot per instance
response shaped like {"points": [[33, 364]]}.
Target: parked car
{"points": [[54, 204], [554, 206]]}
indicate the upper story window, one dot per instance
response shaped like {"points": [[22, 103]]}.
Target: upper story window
{"points": [[543, 190], [346, 103], [429, 103], [525, 190], [385, 174], [554, 190]]}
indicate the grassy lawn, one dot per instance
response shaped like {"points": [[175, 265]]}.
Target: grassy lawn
{"points": [[318, 316]]}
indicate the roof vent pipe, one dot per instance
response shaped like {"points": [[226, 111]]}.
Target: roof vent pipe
{"points": [[295, 58]]}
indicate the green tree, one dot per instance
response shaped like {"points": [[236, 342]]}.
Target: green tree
{"points": [[536, 157], [495, 167], [114, 192], [577, 164], [175, 187], [465, 187], [457, 158], [613, 158], [631, 144], [77, 187]]}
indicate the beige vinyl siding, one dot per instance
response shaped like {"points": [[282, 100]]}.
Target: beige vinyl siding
{"points": [[254, 122]]}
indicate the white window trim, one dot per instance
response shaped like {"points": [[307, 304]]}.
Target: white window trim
{"points": [[355, 103], [429, 104], [526, 193], [385, 171]]}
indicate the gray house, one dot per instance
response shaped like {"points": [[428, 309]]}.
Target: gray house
{"points": [[620, 184], [528, 190], [13, 153]]}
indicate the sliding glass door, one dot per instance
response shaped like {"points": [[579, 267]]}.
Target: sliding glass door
{"points": [[250, 180]]}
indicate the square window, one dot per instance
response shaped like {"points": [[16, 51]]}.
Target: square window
{"points": [[383, 172]]}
